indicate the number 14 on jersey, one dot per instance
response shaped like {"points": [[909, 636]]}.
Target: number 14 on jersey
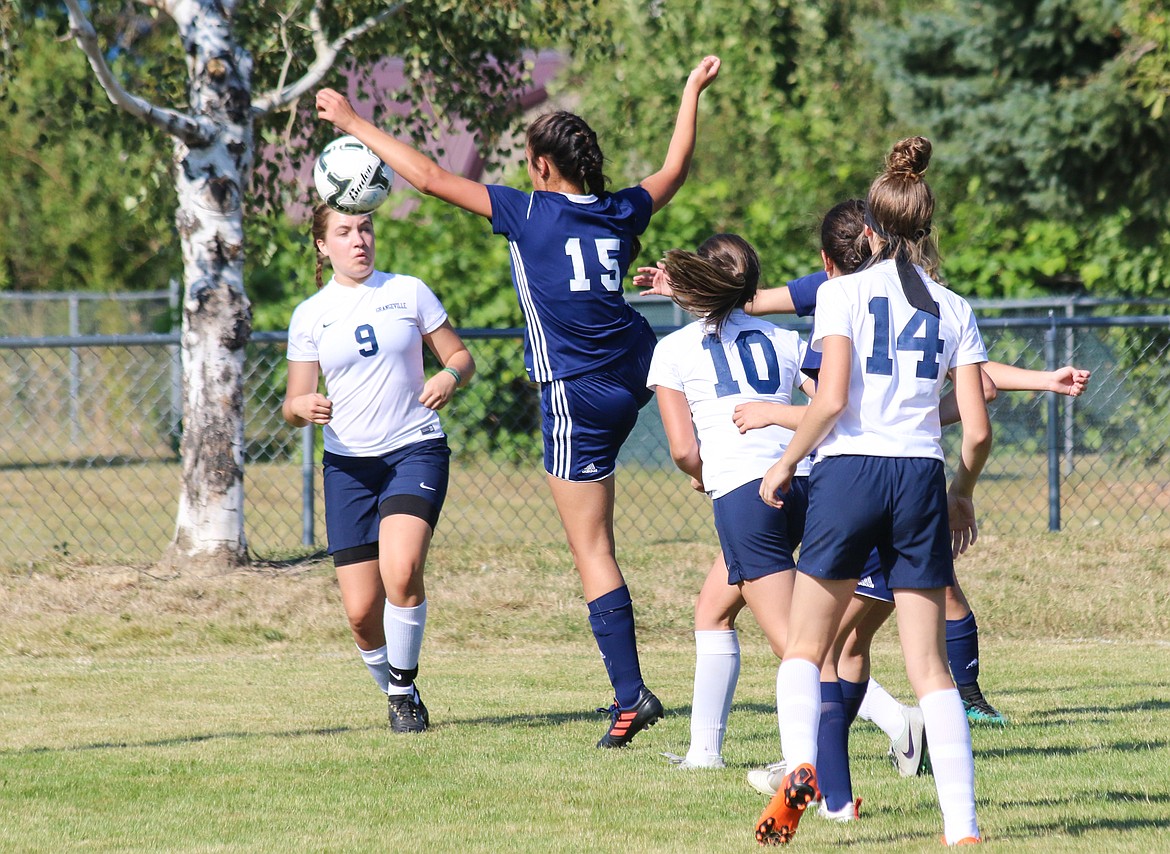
{"points": [[929, 344]]}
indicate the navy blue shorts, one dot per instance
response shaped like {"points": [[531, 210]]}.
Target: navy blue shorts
{"points": [[873, 581], [897, 505], [586, 419], [361, 491], [757, 539]]}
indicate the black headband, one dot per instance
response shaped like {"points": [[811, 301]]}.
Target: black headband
{"points": [[912, 285]]}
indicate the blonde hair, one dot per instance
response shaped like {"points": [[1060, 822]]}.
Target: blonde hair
{"points": [[710, 283], [900, 206]]}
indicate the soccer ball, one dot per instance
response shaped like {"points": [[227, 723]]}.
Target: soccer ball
{"points": [[350, 178]]}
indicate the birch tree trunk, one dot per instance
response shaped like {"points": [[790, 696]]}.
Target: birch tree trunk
{"points": [[211, 174], [479, 58]]}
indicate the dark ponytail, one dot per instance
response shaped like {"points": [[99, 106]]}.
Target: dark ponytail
{"points": [[566, 140]]}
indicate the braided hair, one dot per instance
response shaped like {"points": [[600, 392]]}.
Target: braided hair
{"points": [[571, 145], [321, 212]]}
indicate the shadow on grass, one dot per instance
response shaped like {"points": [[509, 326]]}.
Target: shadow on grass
{"points": [[1006, 688], [1080, 828], [546, 719], [1150, 705], [179, 740], [1067, 750]]}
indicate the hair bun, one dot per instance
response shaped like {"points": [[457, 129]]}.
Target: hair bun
{"points": [[909, 157]]}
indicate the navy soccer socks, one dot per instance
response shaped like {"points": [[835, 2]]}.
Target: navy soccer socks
{"points": [[611, 617]]}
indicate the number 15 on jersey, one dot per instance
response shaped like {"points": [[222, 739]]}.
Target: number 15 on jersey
{"points": [[607, 250]]}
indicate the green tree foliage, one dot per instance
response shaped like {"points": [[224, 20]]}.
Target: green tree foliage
{"points": [[1050, 137], [1149, 23], [85, 208], [795, 123], [1038, 93]]}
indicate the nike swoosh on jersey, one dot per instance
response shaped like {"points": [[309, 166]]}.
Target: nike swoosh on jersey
{"points": [[429, 488]]}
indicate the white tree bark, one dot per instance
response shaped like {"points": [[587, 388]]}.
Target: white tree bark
{"points": [[210, 177], [213, 151]]}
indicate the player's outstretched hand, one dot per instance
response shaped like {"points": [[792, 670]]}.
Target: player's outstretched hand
{"points": [[1069, 380], [704, 73], [438, 390], [655, 279], [776, 482], [334, 107], [964, 528]]}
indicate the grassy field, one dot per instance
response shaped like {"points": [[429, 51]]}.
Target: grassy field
{"points": [[144, 713]]}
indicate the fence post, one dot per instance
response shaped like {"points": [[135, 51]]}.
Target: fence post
{"points": [[1070, 311], [74, 371], [176, 353], [1053, 429], [307, 533]]}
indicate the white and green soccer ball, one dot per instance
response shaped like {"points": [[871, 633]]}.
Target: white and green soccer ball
{"points": [[350, 178]]}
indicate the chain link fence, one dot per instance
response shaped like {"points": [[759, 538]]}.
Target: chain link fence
{"points": [[89, 448], [88, 312]]}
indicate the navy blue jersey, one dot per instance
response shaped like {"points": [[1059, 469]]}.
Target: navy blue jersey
{"points": [[804, 292], [569, 257], [804, 298]]}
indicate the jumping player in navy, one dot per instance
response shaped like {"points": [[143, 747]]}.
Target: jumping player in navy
{"points": [[571, 244]]}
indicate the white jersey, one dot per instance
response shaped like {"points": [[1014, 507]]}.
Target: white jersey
{"points": [[752, 360], [901, 357], [368, 342]]}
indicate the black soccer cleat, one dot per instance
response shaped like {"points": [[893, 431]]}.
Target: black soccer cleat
{"points": [[407, 712], [624, 724], [978, 710]]}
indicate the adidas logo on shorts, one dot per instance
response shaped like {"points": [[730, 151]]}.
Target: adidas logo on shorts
{"points": [[590, 469]]}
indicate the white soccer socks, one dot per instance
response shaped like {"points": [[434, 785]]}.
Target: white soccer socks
{"points": [[949, 737], [716, 674], [404, 636], [798, 706]]}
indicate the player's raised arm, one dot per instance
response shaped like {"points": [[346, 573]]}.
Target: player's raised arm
{"points": [[422, 173], [771, 301], [664, 183]]}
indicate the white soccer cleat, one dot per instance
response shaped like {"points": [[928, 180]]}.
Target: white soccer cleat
{"points": [[686, 763], [908, 753], [849, 812], [767, 780]]}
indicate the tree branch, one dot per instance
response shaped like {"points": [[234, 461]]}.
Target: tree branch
{"points": [[326, 55], [172, 122]]}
